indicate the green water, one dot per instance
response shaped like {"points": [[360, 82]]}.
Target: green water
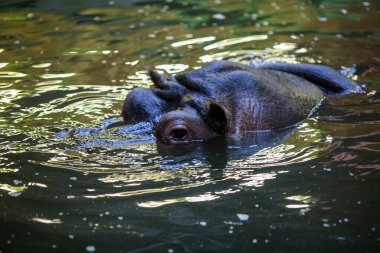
{"points": [[68, 183]]}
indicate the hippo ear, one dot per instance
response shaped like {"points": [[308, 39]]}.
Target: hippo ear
{"points": [[217, 118], [157, 78]]}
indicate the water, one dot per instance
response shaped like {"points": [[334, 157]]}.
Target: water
{"points": [[73, 180]]}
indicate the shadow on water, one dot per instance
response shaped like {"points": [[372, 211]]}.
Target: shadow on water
{"points": [[220, 150]]}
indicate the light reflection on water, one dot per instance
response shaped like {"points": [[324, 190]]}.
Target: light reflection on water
{"points": [[70, 175], [100, 151]]}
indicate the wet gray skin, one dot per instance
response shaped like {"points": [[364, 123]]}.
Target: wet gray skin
{"points": [[230, 99]]}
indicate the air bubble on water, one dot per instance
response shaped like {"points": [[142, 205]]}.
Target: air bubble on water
{"points": [[366, 4], [218, 16], [90, 248], [326, 225], [151, 35], [120, 218], [17, 182], [243, 217], [203, 223], [71, 236], [304, 211], [15, 194], [254, 241]]}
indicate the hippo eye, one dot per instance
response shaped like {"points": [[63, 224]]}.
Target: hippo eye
{"points": [[179, 134]]}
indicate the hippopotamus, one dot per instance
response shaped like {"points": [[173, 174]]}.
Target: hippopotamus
{"points": [[229, 99]]}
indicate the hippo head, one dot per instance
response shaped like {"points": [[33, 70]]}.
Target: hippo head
{"points": [[182, 119], [185, 107]]}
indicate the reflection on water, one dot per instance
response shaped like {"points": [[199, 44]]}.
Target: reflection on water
{"points": [[74, 179]]}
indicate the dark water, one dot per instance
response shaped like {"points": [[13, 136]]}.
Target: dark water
{"points": [[71, 183]]}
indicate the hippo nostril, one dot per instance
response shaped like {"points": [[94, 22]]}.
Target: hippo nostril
{"points": [[179, 133]]}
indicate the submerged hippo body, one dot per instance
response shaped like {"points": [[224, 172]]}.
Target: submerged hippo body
{"points": [[226, 98]]}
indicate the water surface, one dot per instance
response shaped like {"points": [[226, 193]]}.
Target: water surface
{"points": [[69, 182]]}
